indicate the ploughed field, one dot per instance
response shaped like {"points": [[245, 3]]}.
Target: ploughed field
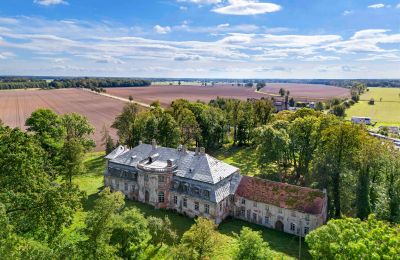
{"points": [[307, 92], [166, 94], [17, 106]]}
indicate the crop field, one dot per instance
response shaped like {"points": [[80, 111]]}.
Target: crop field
{"points": [[17, 106], [307, 91], [166, 94], [385, 111]]}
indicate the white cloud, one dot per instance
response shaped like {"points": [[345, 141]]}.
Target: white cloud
{"points": [[6, 55], [347, 12], [50, 2], [376, 6], [8, 20], [184, 57], [247, 7], [322, 58], [162, 30], [398, 5]]}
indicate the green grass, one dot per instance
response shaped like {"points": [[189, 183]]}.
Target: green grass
{"points": [[386, 108], [284, 246]]}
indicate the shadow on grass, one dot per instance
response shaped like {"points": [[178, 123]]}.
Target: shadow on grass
{"points": [[278, 241], [95, 164], [88, 204]]}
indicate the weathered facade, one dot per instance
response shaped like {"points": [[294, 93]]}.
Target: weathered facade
{"points": [[196, 184]]}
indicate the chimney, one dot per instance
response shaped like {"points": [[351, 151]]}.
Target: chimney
{"points": [[154, 144], [196, 151], [202, 151]]}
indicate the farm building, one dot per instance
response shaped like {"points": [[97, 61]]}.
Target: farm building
{"points": [[361, 120], [194, 183]]}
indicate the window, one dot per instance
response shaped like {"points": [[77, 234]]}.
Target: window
{"points": [[160, 178], [306, 230], [126, 186], [175, 200], [292, 227], [280, 211], [248, 214], [243, 201], [185, 202], [226, 202], [206, 193], [220, 206], [132, 187], [161, 197], [266, 208], [242, 212], [255, 204], [206, 208], [254, 217], [196, 206], [146, 177], [266, 220], [293, 213], [307, 217]]}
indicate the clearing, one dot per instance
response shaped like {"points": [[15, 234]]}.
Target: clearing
{"points": [[386, 108], [284, 246]]}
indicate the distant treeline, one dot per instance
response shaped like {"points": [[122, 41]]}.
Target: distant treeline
{"points": [[21, 83], [348, 83], [91, 83], [98, 83]]}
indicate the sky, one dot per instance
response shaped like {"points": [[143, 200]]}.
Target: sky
{"points": [[201, 38]]}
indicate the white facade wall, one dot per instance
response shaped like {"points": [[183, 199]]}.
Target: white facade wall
{"points": [[294, 222]]}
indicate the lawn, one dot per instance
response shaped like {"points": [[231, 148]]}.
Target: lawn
{"points": [[386, 108], [284, 246]]}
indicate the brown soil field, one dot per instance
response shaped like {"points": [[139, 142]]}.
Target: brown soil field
{"points": [[166, 94], [17, 106], [307, 91]]}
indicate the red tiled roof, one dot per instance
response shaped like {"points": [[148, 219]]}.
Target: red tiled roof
{"points": [[282, 195]]}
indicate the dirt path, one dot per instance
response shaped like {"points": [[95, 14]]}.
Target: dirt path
{"points": [[119, 98]]}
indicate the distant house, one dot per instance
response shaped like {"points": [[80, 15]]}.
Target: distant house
{"points": [[361, 120], [279, 106], [197, 184]]}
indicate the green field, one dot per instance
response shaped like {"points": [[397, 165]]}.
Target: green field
{"points": [[284, 246], [386, 110]]}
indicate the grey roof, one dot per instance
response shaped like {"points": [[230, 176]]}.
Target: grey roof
{"points": [[203, 168], [116, 152]]}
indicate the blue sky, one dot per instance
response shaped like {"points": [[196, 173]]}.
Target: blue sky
{"points": [[201, 38]]}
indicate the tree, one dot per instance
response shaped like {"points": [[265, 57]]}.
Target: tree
{"points": [[260, 85], [282, 92], [292, 103], [371, 101], [190, 129], [72, 155], [130, 234], [251, 246], [125, 125], [34, 204], [319, 106], [161, 230], [339, 110], [99, 226], [130, 98], [49, 131], [107, 141], [351, 238], [199, 242], [79, 129], [339, 147]]}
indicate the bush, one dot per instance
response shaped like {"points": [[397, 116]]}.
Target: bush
{"points": [[371, 101]]}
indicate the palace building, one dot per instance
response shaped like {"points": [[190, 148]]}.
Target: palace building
{"points": [[194, 183]]}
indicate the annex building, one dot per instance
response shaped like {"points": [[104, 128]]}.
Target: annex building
{"points": [[194, 183]]}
